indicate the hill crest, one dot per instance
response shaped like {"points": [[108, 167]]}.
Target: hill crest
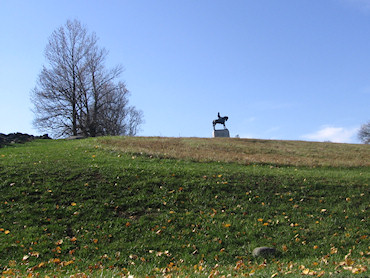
{"points": [[245, 151]]}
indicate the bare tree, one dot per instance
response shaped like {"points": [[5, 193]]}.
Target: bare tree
{"points": [[76, 94], [364, 133]]}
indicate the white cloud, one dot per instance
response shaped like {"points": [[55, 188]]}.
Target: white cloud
{"points": [[333, 134]]}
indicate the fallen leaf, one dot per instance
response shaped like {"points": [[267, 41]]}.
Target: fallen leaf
{"points": [[321, 273], [349, 262], [8, 272], [67, 263], [35, 254]]}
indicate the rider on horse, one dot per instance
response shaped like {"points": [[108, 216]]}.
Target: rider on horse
{"points": [[220, 120]]}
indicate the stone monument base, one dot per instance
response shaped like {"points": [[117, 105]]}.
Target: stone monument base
{"points": [[221, 133]]}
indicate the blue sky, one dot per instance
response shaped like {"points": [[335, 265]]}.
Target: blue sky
{"points": [[290, 70]]}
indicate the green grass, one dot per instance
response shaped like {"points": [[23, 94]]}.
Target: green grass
{"points": [[119, 206]]}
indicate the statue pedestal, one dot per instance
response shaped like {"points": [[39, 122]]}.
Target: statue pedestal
{"points": [[221, 133]]}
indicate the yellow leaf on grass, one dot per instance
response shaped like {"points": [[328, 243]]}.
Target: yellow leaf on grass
{"points": [[67, 263], [227, 225], [349, 262], [8, 272], [321, 273], [73, 204], [12, 263], [7, 232]]}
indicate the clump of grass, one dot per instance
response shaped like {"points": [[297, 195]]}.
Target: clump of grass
{"points": [[93, 207]]}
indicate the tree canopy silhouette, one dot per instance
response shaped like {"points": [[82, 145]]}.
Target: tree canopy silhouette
{"points": [[364, 133], [76, 94]]}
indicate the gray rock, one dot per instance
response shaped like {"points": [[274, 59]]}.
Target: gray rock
{"points": [[264, 252]]}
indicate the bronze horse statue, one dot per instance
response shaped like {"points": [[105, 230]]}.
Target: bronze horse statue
{"points": [[220, 120]]}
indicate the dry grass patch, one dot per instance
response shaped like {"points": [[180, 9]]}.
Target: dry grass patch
{"points": [[245, 151]]}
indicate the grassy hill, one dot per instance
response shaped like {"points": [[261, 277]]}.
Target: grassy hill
{"points": [[115, 206]]}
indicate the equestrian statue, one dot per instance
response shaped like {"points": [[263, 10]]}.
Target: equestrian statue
{"points": [[220, 120]]}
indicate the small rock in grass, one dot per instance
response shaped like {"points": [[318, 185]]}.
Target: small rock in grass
{"points": [[75, 137], [264, 252]]}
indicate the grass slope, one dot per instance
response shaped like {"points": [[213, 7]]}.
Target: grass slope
{"points": [[189, 207]]}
